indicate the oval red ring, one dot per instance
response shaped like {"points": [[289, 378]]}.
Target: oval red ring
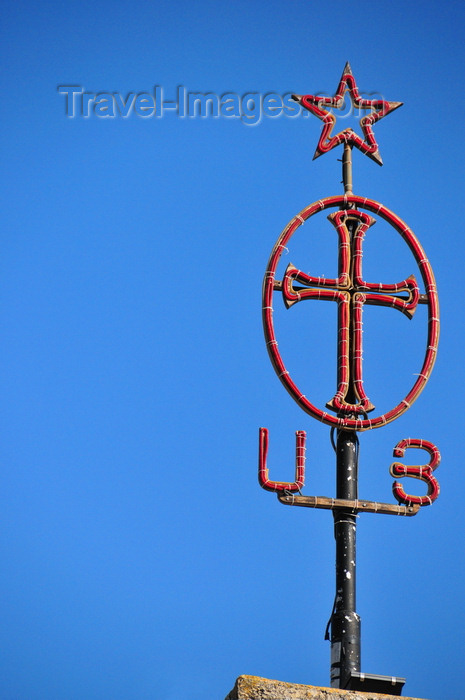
{"points": [[344, 202]]}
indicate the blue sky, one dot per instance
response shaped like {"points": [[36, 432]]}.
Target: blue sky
{"points": [[140, 558]]}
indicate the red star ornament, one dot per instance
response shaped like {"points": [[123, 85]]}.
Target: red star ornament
{"points": [[379, 109]]}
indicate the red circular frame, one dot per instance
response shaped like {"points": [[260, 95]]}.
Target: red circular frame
{"points": [[345, 202]]}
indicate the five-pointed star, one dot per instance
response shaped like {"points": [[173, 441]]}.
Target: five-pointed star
{"points": [[379, 109]]}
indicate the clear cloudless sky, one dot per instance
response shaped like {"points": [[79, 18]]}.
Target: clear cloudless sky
{"points": [[140, 559]]}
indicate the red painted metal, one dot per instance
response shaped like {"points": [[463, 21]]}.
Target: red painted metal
{"points": [[316, 104], [350, 285], [350, 403], [424, 472], [300, 438]]}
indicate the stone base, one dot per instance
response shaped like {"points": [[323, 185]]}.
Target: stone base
{"points": [[255, 688]]}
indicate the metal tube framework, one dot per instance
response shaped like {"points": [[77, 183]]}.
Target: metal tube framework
{"points": [[350, 403]]}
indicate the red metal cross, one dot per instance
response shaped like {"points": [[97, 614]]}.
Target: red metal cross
{"points": [[351, 293]]}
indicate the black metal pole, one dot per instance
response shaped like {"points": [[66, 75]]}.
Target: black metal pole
{"points": [[345, 623]]}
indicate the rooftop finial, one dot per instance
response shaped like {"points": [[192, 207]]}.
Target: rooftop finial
{"points": [[317, 104]]}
